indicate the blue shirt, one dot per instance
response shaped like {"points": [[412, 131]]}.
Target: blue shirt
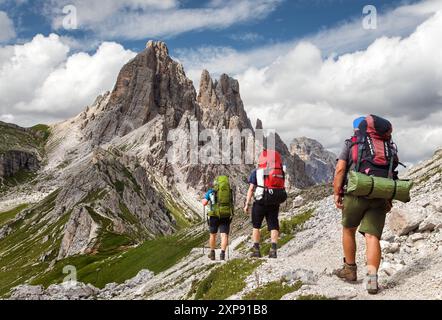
{"points": [[252, 179], [207, 196]]}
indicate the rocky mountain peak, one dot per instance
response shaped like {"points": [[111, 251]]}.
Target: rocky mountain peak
{"points": [[148, 86], [320, 163], [221, 103], [159, 47]]}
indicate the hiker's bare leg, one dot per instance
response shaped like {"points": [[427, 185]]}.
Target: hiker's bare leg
{"points": [[274, 234], [256, 236], [212, 241], [373, 253], [224, 241], [349, 244]]}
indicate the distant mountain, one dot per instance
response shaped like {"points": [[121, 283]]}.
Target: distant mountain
{"points": [[320, 163], [21, 149]]}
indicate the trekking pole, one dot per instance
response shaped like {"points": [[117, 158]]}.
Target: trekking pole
{"points": [[204, 243]]}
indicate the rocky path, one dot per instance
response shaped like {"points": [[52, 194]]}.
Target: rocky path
{"points": [[313, 254]]}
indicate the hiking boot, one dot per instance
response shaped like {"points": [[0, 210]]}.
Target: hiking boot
{"points": [[212, 255], [273, 254], [347, 272], [222, 256], [256, 253], [372, 284]]}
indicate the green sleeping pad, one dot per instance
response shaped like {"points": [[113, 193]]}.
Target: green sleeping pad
{"points": [[361, 185]]}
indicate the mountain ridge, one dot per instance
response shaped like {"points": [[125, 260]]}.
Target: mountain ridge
{"points": [[104, 183]]}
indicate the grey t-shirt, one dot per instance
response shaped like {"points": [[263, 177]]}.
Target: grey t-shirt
{"points": [[346, 153]]}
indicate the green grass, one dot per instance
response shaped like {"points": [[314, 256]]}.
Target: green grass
{"points": [[42, 131], [21, 177], [177, 213], [136, 186], [287, 229], [117, 265], [226, 280], [127, 215], [11, 214], [312, 297], [119, 186], [95, 195], [22, 249], [272, 291], [23, 139]]}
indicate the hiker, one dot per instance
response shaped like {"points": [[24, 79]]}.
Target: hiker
{"points": [[220, 214], [371, 152], [267, 186]]}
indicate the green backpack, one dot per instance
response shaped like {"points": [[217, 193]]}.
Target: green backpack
{"points": [[223, 207]]}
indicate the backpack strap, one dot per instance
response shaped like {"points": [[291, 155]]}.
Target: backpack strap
{"points": [[393, 154], [359, 159]]}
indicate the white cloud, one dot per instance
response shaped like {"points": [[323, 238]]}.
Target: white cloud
{"points": [[300, 89], [7, 31], [246, 37], [39, 80], [303, 94], [7, 118], [142, 19]]}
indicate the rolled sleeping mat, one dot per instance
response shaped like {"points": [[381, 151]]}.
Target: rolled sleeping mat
{"points": [[362, 185]]}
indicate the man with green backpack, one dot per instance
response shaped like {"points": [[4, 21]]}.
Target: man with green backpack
{"points": [[366, 182], [220, 200]]}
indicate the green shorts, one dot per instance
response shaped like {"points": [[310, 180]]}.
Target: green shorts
{"points": [[367, 214]]}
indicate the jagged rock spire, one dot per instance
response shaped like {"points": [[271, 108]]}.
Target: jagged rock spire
{"points": [[150, 85], [221, 103]]}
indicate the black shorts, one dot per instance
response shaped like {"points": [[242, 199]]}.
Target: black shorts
{"points": [[270, 213], [215, 224]]}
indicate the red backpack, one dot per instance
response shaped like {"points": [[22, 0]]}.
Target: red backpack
{"points": [[274, 192], [274, 176], [373, 150]]}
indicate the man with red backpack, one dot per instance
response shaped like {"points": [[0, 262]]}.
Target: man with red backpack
{"points": [[372, 152], [267, 185]]}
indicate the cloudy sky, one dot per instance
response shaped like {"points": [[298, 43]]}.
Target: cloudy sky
{"points": [[306, 67]]}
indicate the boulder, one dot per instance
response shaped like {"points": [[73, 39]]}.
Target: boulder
{"points": [[417, 236], [27, 292], [298, 202], [401, 221], [305, 276], [390, 247], [75, 291], [432, 222]]}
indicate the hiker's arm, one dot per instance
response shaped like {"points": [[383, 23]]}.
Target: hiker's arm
{"points": [[338, 183], [249, 197]]}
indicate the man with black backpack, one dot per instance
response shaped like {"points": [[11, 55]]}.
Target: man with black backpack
{"points": [[220, 214], [372, 152], [267, 185]]}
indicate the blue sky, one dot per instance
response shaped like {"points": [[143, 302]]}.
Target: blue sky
{"points": [[305, 67], [288, 20]]}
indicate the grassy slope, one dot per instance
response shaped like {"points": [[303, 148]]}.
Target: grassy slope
{"points": [[112, 263], [288, 230], [226, 280], [272, 291], [11, 214], [25, 140], [20, 251]]}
